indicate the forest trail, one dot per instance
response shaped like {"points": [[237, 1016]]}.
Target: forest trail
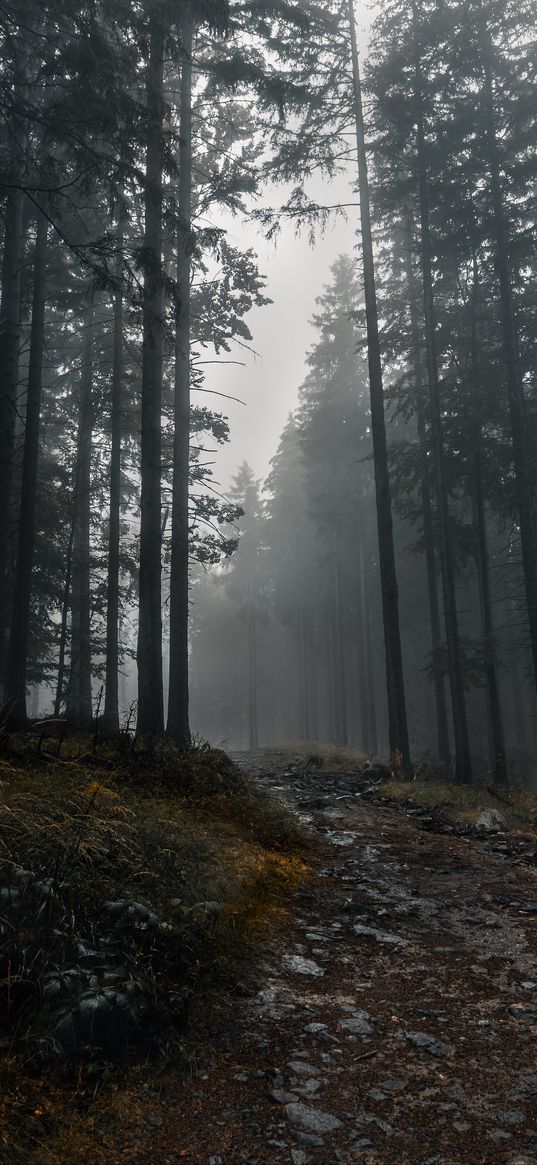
{"points": [[394, 1017]]}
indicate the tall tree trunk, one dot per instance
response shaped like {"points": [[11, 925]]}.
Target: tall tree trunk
{"points": [[150, 684], [370, 738], [335, 736], [442, 729], [398, 727], [9, 377], [79, 703], [339, 649], [463, 763], [252, 676], [363, 678], [494, 705], [310, 633], [515, 389], [66, 595], [18, 643], [111, 698], [178, 726], [304, 685]]}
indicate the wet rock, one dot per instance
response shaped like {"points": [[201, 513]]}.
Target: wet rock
{"points": [[499, 1135], [307, 1139], [369, 1118], [423, 1041], [282, 1097], [302, 1068], [380, 936], [275, 1076], [309, 1089], [301, 966], [298, 1157], [312, 1119], [513, 1117], [393, 1085], [522, 1013], [319, 1030], [357, 1024], [490, 820]]}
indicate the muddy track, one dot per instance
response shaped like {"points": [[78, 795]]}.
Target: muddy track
{"points": [[395, 1018]]}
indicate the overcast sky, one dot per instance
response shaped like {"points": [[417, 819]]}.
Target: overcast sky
{"points": [[268, 383]]}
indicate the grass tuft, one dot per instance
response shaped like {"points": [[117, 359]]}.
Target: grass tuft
{"points": [[129, 889], [466, 802]]}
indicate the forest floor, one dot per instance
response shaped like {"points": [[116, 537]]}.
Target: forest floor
{"points": [[391, 1017], [396, 1011]]}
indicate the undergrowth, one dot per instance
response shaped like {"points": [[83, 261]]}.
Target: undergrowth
{"points": [[131, 884], [313, 753], [465, 802]]}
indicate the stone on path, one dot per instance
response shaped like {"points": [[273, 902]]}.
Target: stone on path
{"points": [[312, 1119], [357, 1024], [301, 965], [490, 819], [302, 1068], [381, 936], [428, 1043]]}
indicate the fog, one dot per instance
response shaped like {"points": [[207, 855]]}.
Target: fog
{"points": [[267, 382], [312, 518]]}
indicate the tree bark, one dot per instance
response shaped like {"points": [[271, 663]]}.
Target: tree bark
{"points": [[494, 705], [150, 685], [340, 685], [363, 678], [178, 725], [252, 676], [304, 684], [18, 642], [442, 728], [60, 680], [111, 698], [370, 741], [9, 379], [463, 763], [515, 389], [79, 702], [398, 727]]}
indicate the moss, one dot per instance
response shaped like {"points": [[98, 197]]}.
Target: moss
{"points": [[466, 802], [129, 890]]}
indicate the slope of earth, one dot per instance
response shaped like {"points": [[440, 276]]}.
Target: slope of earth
{"points": [[395, 1015]]}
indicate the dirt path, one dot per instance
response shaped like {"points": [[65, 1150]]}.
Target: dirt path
{"points": [[395, 1019]]}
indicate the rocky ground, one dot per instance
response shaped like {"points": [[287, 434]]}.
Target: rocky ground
{"points": [[395, 1015]]}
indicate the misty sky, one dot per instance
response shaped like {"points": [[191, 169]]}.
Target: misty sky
{"points": [[268, 383], [296, 273]]}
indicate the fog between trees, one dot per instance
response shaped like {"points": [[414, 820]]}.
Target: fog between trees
{"points": [[398, 519]]}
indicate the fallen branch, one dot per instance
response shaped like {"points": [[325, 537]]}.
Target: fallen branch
{"points": [[499, 797]]}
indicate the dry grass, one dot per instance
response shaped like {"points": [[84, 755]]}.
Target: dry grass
{"points": [[334, 757], [466, 802], [130, 886]]}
